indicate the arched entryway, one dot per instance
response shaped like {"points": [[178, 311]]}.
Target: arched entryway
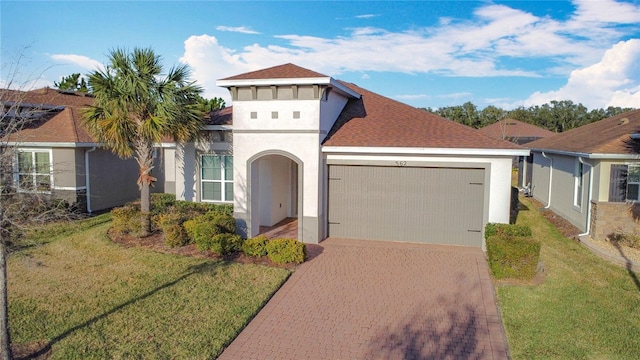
{"points": [[275, 196]]}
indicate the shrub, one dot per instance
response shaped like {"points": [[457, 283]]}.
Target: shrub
{"points": [[630, 240], [506, 229], [513, 256], [201, 232], [216, 223], [171, 225], [175, 236], [126, 220], [224, 244], [161, 202], [256, 246], [284, 250]]}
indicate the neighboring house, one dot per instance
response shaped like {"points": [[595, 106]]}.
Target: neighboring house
{"points": [[56, 157], [520, 133], [345, 162], [591, 175], [515, 131]]}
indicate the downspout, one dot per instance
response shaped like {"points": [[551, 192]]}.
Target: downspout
{"points": [[88, 178], [550, 178], [589, 194]]}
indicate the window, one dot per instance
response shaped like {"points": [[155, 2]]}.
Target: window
{"points": [[578, 184], [633, 182], [33, 170], [624, 183], [216, 178]]}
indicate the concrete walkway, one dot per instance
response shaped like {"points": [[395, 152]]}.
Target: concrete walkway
{"points": [[379, 300]]}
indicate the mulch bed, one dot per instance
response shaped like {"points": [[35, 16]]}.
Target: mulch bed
{"points": [[155, 242], [563, 226]]}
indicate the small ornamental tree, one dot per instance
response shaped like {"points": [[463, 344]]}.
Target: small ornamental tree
{"points": [[136, 106]]}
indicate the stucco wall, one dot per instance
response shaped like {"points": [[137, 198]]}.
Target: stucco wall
{"points": [[68, 168], [562, 200]]}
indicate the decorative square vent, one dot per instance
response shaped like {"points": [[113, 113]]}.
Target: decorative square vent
{"points": [[254, 115], [274, 114], [296, 114]]}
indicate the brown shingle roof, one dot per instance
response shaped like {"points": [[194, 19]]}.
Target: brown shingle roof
{"points": [[607, 136], [59, 126], [510, 128], [377, 121], [286, 71], [221, 117]]}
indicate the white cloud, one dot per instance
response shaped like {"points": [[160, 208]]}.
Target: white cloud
{"points": [[32, 84], [238, 29], [209, 61], [366, 16], [613, 81], [589, 12], [80, 60], [498, 41], [409, 97]]}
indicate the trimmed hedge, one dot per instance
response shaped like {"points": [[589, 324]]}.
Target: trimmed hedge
{"points": [[506, 229], [171, 225], [511, 251], [256, 246], [285, 250]]}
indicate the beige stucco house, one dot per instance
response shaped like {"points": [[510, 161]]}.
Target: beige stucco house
{"points": [[591, 175]]}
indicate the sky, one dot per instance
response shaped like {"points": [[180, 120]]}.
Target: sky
{"points": [[424, 53]]}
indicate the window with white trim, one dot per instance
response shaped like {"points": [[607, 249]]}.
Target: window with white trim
{"points": [[633, 183], [216, 178], [578, 184], [33, 170]]}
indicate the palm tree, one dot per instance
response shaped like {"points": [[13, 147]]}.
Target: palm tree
{"points": [[135, 107]]}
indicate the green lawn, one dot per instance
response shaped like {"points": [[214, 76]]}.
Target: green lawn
{"points": [[586, 308], [86, 297]]}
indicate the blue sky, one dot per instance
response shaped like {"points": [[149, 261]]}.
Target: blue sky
{"points": [[423, 53]]}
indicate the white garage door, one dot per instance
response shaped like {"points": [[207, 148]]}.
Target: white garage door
{"points": [[414, 204]]}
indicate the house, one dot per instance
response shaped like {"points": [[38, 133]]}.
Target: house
{"points": [[56, 157], [515, 131], [591, 175], [345, 162], [519, 133]]}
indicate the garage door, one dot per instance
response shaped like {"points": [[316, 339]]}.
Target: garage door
{"points": [[427, 205]]}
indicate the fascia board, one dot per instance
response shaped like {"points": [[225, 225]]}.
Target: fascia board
{"points": [[425, 151]]}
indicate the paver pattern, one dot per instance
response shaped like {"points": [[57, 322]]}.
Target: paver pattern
{"points": [[363, 299]]}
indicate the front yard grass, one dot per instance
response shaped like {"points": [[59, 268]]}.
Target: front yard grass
{"points": [[82, 296], [586, 308]]}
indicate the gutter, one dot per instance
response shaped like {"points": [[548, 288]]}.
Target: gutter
{"points": [[550, 178], [585, 155], [88, 178], [589, 194]]}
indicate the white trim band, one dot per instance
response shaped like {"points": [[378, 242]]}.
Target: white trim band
{"points": [[425, 151]]}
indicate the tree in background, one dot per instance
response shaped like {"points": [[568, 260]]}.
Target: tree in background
{"points": [[209, 105], [556, 116], [72, 82], [135, 106]]}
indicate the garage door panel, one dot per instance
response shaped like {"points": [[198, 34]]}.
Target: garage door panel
{"points": [[435, 205]]}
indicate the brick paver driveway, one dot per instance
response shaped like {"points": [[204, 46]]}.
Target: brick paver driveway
{"points": [[379, 300]]}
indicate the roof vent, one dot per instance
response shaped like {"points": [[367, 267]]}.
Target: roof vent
{"points": [[623, 121]]}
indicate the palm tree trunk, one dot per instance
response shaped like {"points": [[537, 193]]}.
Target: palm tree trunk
{"points": [[144, 152]]}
